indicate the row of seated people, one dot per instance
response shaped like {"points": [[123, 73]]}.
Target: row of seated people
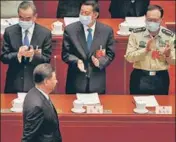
{"points": [[151, 49]]}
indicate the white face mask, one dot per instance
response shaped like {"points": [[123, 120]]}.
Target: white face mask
{"points": [[25, 24], [85, 20], [152, 26]]}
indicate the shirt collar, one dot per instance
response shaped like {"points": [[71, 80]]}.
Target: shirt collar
{"points": [[147, 33], [46, 95], [93, 27], [30, 30]]}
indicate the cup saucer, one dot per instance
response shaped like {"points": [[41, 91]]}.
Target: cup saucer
{"points": [[123, 34], [140, 111], [78, 110], [16, 109], [57, 33]]}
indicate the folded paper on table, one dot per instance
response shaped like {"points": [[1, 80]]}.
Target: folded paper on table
{"points": [[149, 100], [88, 98]]}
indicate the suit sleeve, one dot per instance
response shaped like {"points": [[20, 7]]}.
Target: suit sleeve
{"points": [[67, 55], [32, 124], [45, 56], [7, 55], [110, 52]]}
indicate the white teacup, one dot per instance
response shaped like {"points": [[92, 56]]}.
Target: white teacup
{"points": [[140, 105], [124, 27], [78, 104], [57, 27], [17, 103], [21, 95]]}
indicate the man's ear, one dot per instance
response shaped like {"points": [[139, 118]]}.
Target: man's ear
{"points": [[35, 16], [96, 14], [45, 81]]}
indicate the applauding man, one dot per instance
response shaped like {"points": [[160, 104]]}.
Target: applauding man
{"points": [[88, 48], [151, 50], [25, 45]]}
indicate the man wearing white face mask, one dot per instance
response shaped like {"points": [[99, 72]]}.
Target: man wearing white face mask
{"points": [[151, 49], [25, 45], [88, 48]]}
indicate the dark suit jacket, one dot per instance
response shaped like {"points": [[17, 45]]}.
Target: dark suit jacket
{"points": [[69, 8], [19, 75], [75, 47], [40, 119], [120, 8]]}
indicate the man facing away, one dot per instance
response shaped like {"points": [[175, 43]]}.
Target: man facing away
{"points": [[40, 119]]}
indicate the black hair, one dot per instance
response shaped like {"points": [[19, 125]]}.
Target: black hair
{"points": [[156, 7], [41, 72]]}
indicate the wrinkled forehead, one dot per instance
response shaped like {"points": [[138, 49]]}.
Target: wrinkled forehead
{"points": [[25, 13], [86, 8], [153, 14]]}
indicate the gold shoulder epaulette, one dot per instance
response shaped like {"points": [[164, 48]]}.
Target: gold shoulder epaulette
{"points": [[167, 32], [137, 30]]}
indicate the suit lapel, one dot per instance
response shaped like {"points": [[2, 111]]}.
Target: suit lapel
{"points": [[48, 105], [35, 35], [95, 43], [18, 37], [82, 39]]}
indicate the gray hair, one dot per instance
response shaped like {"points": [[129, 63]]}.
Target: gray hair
{"points": [[42, 72], [27, 4]]}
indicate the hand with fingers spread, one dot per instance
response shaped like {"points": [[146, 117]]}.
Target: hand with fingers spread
{"points": [[95, 61], [21, 51], [148, 48], [80, 66], [167, 50]]}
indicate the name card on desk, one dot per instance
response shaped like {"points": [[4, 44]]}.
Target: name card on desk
{"points": [[94, 109], [163, 110]]}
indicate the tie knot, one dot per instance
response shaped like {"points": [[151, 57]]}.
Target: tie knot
{"points": [[89, 30]]}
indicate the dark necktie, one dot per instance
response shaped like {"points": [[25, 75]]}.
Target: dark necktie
{"points": [[89, 38], [26, 43], [26, 39]]}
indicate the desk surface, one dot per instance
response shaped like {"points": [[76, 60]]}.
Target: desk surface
{"points": [[101, 127], [119, 104]]}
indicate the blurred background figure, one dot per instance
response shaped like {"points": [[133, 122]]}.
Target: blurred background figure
{"points": [[9, 8], [69, 8], [128, 8]]}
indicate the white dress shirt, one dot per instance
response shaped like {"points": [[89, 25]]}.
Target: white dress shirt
{"points": [[30, 33], [44, 94], [86, 32]]}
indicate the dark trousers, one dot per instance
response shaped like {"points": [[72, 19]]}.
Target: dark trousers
{"points": [[142, 83]]}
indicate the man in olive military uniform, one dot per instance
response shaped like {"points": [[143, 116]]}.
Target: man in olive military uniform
{"points": [[151, 49]]}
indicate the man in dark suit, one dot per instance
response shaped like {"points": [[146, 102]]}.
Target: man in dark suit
{"points": [[25, 45], [88, 48], [40, 118], [128, 8], [69, 8]]}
